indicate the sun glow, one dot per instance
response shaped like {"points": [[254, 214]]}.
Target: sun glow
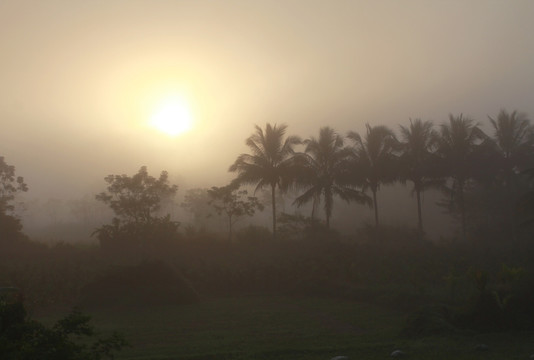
{"points": [[172, 117]]}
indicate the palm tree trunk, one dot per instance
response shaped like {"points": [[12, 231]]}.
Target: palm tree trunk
{"points": [[375, 204], [273, 200], [419, 212], [229, 228], [461, 203]]}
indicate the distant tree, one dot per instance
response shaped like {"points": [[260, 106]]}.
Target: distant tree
{"points": [[233, 203], [417, 161], [196, 202], [457, 148], [135, 201], [270, 164], [511, 151], [322, 173], [10, 185], [373, 159], [136, 198], [513, 139]]}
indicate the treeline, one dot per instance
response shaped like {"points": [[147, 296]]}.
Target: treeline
{"points": [[148, 258], [482, 176]]}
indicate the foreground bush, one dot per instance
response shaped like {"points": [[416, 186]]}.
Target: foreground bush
{"points": [[71, 338]]}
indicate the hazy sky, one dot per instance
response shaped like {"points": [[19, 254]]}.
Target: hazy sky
{"points": [[80, 79]]}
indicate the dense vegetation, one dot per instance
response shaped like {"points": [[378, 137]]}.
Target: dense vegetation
{"points": [[481, 280]]}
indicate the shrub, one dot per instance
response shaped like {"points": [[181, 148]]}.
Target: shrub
{"points": [[70, 338]]}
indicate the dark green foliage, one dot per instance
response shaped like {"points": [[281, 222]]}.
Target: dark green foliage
{"points": [[71, 338]]}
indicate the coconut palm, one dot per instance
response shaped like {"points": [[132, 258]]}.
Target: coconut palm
{"points": [[270, 164], [373, 160], [417, 159], [513, 139], [323, 168], [457, 148]]}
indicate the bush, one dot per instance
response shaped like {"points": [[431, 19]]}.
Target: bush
{"points": [[70, 338]]}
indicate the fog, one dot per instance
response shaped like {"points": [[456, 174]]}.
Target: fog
{"points": [[80, 79]]}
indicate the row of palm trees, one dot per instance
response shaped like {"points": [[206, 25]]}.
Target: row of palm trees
{"points": [[449, 157]]}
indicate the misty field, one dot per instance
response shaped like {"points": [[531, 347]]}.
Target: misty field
{"points": [[266, 327]]}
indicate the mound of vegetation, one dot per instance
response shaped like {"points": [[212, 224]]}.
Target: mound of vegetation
{"points": [[72, 337], [146, 284]]}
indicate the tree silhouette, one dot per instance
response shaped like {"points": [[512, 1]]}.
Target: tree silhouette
{"points": [[323, 173], [512, 139], [233, 203], [270, 164], [373, 160], [10, 185], [135, 198], [417, 160], [196, 201], [457, 147]]}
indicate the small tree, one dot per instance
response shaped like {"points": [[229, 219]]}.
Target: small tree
{"points": [[233, 203], [135, 201], [72, 337], [196, 202], [270, 163], [10, 185]]}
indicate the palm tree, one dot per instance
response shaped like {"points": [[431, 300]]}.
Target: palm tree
{"points": [[373, 159], [457, 145], [270, 164], [323, 168], [417, 160], [513, 149], [513, 140]]}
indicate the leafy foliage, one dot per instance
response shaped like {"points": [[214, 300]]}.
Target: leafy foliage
{"points": [[323, 173], [233, 203], [373, 159], [136, 198], [418, 163], [270, 164], [196, 201], [10, 185], [71, 338]]}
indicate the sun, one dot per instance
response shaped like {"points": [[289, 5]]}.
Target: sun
{"points": [[172, 116]]}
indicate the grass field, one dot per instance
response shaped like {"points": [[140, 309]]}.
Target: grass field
{"points": [[290, 328]]}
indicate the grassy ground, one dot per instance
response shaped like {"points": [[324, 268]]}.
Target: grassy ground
{"points": [[290, 328]]}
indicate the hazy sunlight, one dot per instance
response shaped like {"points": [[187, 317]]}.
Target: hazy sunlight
{"points": [[172, 116]]}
